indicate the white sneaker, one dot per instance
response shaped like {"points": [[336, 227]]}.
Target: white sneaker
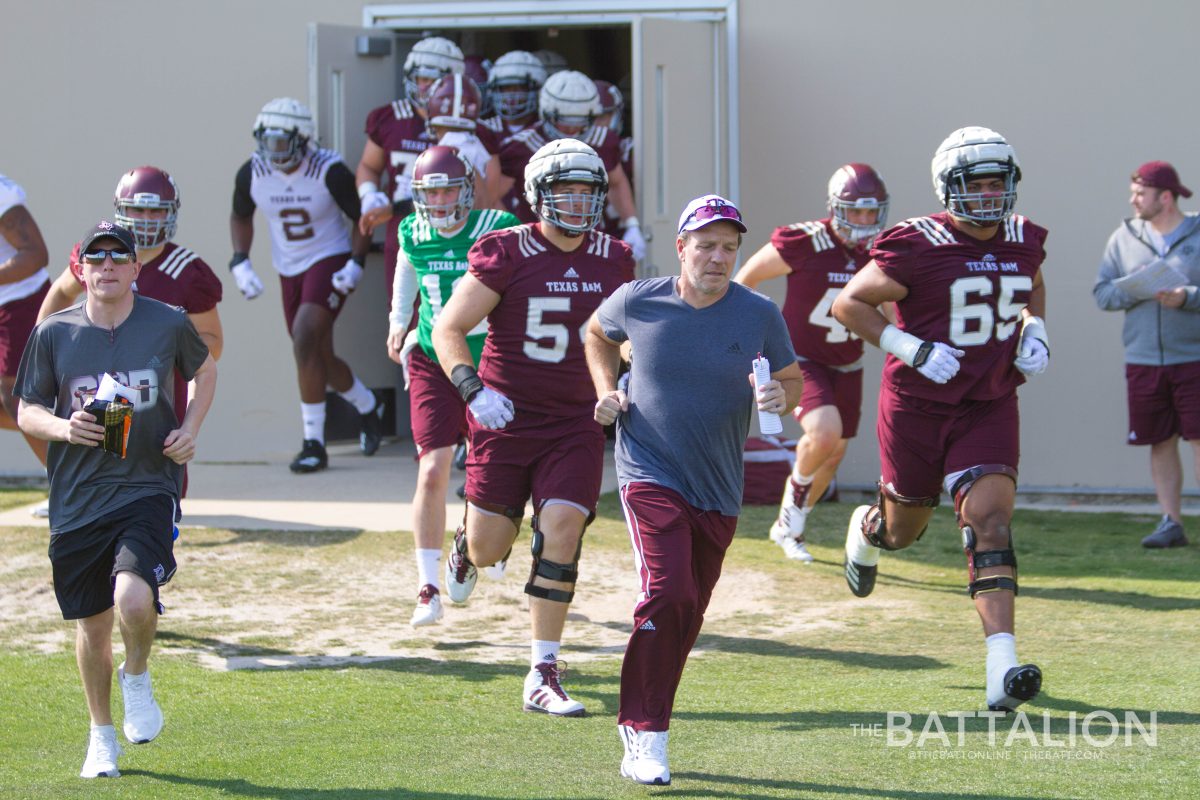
{"points": [[41, 510], [143, 717], [429, 607], [461, 574], [103, 750], [645, 758], [544, 693], [795, 549], [496, 571]]}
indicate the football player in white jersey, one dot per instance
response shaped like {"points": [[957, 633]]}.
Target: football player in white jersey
{"points": [[23, 283], [306, 193]]}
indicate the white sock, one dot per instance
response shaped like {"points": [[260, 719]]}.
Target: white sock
{"points": [[860, 550], [1001, 657], [427, 567], [359, 396], [540, 651], [313, 415]]}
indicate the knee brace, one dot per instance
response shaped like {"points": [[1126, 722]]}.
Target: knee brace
{"points": [[988, 558], [875, 522], [551, 570]]}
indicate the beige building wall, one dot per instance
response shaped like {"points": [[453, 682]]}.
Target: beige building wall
{"points": [[1085, 91]]}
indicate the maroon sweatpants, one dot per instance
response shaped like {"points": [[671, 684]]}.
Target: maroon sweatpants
{"points": [[678, 550]]}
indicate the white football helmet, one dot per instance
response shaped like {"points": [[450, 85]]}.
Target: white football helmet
{"points": [[569, 100], [553, 61], [562, 161], [515, 81], [283, 130], [967, 154], [430, 58]]}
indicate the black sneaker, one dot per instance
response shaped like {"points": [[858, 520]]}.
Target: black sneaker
{"points": [[371, 431], [1169, 533], [311, 458]]}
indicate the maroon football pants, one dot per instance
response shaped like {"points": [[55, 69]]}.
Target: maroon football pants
{"points": [[678, 550]]}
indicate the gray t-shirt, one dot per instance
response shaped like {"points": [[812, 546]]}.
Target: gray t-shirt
{"points": [[689, 398], [62, 365]]}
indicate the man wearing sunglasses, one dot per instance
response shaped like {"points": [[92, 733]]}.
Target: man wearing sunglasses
{"points": [[818, 257], [680, 437], [112, 515], [967, 284], [23, 284], [307, 194], [532, 436]]}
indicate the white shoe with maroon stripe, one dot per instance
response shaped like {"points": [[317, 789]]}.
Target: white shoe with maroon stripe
{"points": [[544, 693]]}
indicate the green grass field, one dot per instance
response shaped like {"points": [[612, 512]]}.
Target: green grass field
{"points": [[791, 677]]}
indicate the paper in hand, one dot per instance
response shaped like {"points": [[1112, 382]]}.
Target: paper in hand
{"points": [[1145, 283]]}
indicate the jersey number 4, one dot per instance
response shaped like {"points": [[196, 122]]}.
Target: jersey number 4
{"points": [[973, 323], [538, 330], [822, 318]]}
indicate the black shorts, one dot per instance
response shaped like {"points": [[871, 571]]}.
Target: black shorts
{"points": [[136, 538]]}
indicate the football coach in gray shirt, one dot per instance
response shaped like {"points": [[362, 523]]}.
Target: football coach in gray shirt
{"points": [[681, 429], [113, 504]]}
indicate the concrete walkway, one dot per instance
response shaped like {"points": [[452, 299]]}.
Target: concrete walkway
{"points": [[356, 493]]}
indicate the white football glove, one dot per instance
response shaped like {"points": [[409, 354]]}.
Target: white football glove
{"points": [[371, 198], [247, 280], [934, 360], [491, 409], [634, 238], [471, 148], [346, 278], [1033, 350]]}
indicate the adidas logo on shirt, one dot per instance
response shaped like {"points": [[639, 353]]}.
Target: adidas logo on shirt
{"points": [[570, 273], [734, 348], [648, 625], [449, 254]]}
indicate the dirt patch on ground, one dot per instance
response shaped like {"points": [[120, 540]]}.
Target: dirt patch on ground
{"points": [[252, 603]]}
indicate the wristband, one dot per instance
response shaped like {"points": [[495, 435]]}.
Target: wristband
{"points": [[901, 344], [630, 222], [238, 257], [467, 381], [365, 188], [358, 260]]}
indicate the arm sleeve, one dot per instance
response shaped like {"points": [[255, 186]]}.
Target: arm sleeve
{"points": [[243, 203], [404, 291], [340, 182], [1109, 297]]}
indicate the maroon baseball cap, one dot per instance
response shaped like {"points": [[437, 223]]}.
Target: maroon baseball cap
{"points": [[1160, 175]]}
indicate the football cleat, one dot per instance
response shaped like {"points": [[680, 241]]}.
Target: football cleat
{"points": [[429, 607], [461, 574], [544, 693], [792, 543], [1021, 684], [311, 458], [645, 758], [371, 428], [859, 577]]}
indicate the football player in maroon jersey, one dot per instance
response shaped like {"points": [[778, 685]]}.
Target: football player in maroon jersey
{"points": [[569, 105], [967, 284], [530, 423], [818, 258]]}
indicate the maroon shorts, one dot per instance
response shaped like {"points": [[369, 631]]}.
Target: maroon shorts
{"points": [[17, 320], [1163, 402], [826, 386], [921, 442], [558, 460], [314, 285], [436, 410]]}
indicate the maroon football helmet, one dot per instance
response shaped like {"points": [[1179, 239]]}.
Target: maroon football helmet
{"points": [[441, 167], [611, 102], [857, 186], [479, 69], [454, 102], [147, 188]]}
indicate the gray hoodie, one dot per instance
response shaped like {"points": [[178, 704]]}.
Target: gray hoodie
{"points": [[1153, 335]]}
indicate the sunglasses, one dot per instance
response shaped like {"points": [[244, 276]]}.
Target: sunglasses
{"points": [[713, 210], [96, 257]]}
